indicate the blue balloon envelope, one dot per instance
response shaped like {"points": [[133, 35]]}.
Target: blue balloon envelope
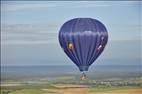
{"points": [[83, 40]]}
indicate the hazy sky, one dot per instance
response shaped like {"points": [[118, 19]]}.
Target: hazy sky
{"points": [[29, 30]]}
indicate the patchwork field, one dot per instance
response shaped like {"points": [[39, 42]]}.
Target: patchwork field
{"points": [[75, 88]]}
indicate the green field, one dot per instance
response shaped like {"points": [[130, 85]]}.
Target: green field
{"points": [[65, 85]]}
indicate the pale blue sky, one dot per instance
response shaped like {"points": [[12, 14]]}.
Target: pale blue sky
{"points": [[29, 33]]}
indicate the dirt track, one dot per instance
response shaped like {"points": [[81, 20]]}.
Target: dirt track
{"points": [[86, 91], [70, 91], [127, 91]]}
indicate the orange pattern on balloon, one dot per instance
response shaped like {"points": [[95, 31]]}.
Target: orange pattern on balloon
{"points": [[70, 46]]}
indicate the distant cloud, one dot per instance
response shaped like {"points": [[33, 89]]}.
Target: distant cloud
{"points": [[36, 28], [25, 42], [27, 6], [70, 4], [28, 34], [15, 34]]}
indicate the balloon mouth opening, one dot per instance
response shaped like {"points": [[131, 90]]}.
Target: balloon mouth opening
{"points": [[83, 68]]}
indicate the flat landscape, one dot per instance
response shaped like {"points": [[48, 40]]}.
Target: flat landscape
{"points": [[49, 80], [74, 87]]}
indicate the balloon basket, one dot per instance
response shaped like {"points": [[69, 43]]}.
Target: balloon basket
{"points": [[83, 76]]}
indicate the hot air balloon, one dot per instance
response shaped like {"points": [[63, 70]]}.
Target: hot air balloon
{"points": [[83, 40]]}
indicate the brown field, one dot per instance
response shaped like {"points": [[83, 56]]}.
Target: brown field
{"points": [[80, 89], [9, 85]]}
